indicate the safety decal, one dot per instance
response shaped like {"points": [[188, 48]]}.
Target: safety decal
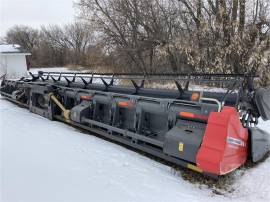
{"points": [[235, 141]]}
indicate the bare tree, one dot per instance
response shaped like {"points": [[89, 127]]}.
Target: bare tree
{"points": [[230, 36], [54, 45], [72, 40], [135, 29], [24, 36]]}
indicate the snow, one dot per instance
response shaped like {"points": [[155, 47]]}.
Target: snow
{"points": [[193, 87], [12, 48], [49, 161], [51, 69]]}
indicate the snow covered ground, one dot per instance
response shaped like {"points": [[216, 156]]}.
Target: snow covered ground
{"points": [[50, 161], [51, 69]]}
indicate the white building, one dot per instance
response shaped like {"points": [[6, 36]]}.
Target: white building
{"points": [[13, 61]]}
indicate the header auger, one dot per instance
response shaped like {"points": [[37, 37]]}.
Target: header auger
{"points": [[209, 130]]}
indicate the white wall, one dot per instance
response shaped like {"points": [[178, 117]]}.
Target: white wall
{"points": [[13, 65]]}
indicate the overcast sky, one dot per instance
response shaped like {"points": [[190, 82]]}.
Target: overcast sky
{"points": [[35, 13]]}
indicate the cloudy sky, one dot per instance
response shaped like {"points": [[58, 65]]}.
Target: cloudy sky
{"points": [[35, 12]]}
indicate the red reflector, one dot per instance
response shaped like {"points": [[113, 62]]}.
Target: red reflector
{"points": [[86, 97], [125, 104], [193, 116]]}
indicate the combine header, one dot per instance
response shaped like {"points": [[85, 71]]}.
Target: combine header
{"points": [[209, 131]]}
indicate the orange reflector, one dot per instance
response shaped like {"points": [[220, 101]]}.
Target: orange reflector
{"points": [[195, 96], [86, 97], [193, 116], [125, 104]]}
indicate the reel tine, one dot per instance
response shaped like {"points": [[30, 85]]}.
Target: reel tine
{"points": [[135, 84], [74, 77], [179, 87], [84, 81], [91, 80], [21, 79], [48, 77], [112, 81], [34, 78], [187, 85], [54, 80], [104, 82], [68, 81], [142, 84], [32, 75], [60, 76], [137, 88]]}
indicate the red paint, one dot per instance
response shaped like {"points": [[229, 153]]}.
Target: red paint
{"points": [[217, 155]]}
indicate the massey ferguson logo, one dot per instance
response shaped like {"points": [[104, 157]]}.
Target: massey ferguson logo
{"points": [[235, 141]]}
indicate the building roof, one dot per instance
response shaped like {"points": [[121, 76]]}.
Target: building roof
{"points": [[12, 49]]}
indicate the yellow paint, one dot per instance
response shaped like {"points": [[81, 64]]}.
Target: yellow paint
{"points": [[195, 168], [181, 146], [66, 113]]}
